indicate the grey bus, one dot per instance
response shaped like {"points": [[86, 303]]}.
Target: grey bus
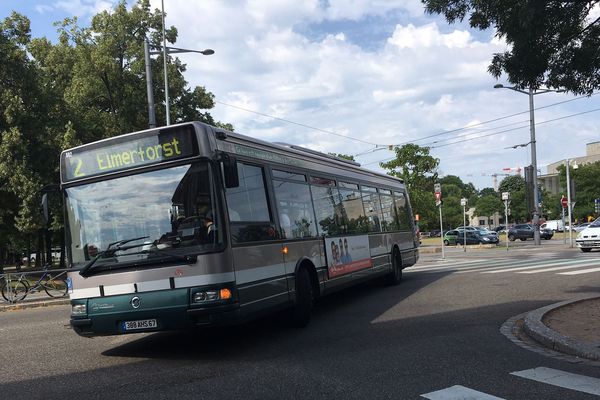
{"points": [[192, 226]]}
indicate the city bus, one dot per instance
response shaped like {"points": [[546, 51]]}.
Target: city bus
{"points": [[191, 226]]}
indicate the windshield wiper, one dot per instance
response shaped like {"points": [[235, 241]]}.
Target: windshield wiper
{"points": [[110, 251], [190, 259]]}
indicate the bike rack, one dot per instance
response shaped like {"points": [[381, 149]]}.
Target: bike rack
{"points": [[8, 277]]}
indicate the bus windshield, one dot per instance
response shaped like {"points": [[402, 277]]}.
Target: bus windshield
{"points": [[144, 218]]}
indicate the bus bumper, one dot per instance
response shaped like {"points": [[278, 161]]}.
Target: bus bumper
{"points": [[114, 315]]}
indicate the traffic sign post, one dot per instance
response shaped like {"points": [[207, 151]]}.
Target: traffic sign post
{"points": [[505, 197], [463, 202], [437, 189]]}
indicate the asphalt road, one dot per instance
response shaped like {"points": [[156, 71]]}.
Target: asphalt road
{"points": [[439, 329]]}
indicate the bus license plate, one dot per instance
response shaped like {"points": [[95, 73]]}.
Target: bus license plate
{"points": [[141, 324]]}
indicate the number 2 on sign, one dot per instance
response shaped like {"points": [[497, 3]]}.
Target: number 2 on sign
{"points": [[77, 173]]}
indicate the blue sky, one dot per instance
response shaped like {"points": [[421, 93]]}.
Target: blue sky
{"points": [[375, 72]]}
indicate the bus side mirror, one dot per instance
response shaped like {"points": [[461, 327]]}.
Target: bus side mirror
{"points": [[230, 171], [45, 210]]}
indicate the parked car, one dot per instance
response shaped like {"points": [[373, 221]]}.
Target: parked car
{"points": [[492, 237], [471, 237], [581, 227], [466, 228], [556, 225], [589, 238], [450, 237], [434, 233], [499, 228], [525, 231]]}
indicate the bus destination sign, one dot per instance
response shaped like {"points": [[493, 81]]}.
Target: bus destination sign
{"points": [[129, 151]]}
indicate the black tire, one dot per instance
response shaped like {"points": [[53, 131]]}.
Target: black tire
{"points": [[395, 276], [586, 250], [14, 291], [446, 243], [523, 239], [303, 303], [512, 238], [55, 287]]}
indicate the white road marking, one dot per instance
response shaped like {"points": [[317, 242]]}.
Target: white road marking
{"points": [[583, 271], [458, 392], [557, 268], [580, 383], [446, 266], [551, 264], [490, 264]]}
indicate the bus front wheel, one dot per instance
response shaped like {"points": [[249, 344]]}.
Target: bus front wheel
{"points": [[300, 316]]}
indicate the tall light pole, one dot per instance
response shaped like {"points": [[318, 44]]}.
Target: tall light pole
{"points": [[165, 51], [536, 209], [169, 50]]}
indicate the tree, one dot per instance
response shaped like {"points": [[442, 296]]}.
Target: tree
{"points": [[488, 205], [90, 85], [515, 186], [512, 184], [488, 191], [552, 43], [418, 169], [344, 156], [585, 179]]}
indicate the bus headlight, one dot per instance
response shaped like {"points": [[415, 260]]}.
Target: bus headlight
{"points": [[210, 295], [78, 309]]}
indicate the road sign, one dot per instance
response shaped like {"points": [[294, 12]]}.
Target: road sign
{"points": [[505, 195], [438, 197], [564, 202], [437, 188], [463, 202]]}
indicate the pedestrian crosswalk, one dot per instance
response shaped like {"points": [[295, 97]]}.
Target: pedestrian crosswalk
{"points": [[537, 265], [549, 376]]}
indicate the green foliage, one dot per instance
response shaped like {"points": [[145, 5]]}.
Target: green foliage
{"points": [[90, 85], [585, 179], [551, 43], [418, 169], [489, 204], [344, 156]]}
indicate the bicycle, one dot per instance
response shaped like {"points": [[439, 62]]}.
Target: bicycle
{"points": [[14, 290]]}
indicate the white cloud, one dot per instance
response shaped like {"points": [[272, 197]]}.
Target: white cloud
{"points": [[423, 78], [412, 37], [83, 8]]}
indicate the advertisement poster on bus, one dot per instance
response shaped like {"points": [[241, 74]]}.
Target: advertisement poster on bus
{"points": [[347, 254]]}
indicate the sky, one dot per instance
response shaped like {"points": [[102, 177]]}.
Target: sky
{"points": [[355, 76]]}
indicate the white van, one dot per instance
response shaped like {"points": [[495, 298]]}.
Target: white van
{"points": [[556, 225]]}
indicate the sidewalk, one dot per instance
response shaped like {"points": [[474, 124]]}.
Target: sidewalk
{"points": [[571, 327], [33, 300]]}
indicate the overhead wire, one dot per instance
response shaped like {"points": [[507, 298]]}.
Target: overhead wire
{"points": [[492, 134], [378, 146], [297, 123]]}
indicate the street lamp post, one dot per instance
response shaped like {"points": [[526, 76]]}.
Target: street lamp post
{"points": [[165, 51], [536, 209], [147, 54]]}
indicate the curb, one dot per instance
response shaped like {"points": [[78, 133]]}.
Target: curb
{"points": [[537, 330], [33, 304]]}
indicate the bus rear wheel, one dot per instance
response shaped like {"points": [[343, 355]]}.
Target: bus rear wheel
{"points": [[395, 276], [300, 315]]}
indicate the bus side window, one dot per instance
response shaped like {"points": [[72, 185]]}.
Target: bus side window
{"points": [[296, 214], [248, 207]]}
